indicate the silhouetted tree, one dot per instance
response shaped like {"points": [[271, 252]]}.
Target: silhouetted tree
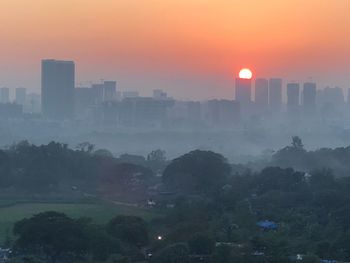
{"points": [[176, 253], [275, 178], [129, 229], [201, 244], [156, 156], [297, 142], [103, 153], [51, 234], [85, 147], [197, 171]]}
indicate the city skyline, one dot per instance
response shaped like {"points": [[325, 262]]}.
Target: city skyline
{"points": [[247, 88], [144, 45], [252, 79]]}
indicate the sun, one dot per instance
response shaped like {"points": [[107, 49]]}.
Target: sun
{"points": [[245, 73]]}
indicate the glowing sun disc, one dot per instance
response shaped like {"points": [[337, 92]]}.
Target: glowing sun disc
{"points": [[245, 73]]}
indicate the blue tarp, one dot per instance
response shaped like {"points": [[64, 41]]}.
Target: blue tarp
{"points": [[267, 224]]}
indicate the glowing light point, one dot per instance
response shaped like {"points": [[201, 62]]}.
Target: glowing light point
{"points": [[159, 237], [245, 73]]}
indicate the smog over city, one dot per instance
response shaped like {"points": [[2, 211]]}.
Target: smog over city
{"points": [[175, 131]]}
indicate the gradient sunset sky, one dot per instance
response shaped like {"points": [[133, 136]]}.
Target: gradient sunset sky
{"points": [[190, 48]]}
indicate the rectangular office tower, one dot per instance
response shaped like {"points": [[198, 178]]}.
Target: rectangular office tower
{"points": [[223, 113], [243, 91], [309, 96], [275, 94], [21, 96], [293, 97], [57, 88], [110, 90], [262, 93], [4, 95]]}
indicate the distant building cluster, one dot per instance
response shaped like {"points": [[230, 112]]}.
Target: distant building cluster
{"points": [[21, 104], [104, 104], [300, 99]]}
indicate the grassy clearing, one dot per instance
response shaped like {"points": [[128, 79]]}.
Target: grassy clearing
{"points": [[99, 212]]}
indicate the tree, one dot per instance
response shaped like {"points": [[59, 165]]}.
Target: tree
{"points": [[85, 147], [297, 142], [117, 258], [323, 249], [201, 244], [341, 247], [156, 160], [322, 179], [51, 234], [156, 156], [310, 258], [100, 244], [222, 254], [130, 229], [197, 171], [341, 216], [5, 170], [131, 158], [103, 153], [292, 156], [275, 178], [127, 178], [176, 253]]}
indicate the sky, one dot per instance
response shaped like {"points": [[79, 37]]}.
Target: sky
{"points": [[193, 49]]}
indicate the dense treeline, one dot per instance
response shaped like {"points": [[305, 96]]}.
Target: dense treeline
{"points": [[55, 237], [299, 158], [212, 211], [56, 168], [46, 168], [310, 210]]}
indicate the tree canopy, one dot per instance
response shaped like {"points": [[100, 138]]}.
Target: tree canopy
{"points": [[197, 171]]}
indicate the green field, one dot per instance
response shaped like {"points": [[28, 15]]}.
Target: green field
{"points": [[10, 212]]}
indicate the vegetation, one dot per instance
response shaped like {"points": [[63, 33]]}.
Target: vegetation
{"points": [[296, 208], [53, 237], [297, 157], [196, 172]]}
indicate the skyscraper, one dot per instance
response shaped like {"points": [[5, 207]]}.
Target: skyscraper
{"points": [[98, 91], [193, 111], [4, 95], [110, 90], [333, 96], [34, 102], [293, 96], [262, 92], [309, 96], [57, 88], [223, 112], [21, 96], [84, 99], [275, 94], [243, 89]]}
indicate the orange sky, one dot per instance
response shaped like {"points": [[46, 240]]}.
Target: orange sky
{"points": [[191, 48]]}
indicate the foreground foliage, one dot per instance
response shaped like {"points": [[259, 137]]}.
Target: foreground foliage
{"points": [[213, 211]]}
